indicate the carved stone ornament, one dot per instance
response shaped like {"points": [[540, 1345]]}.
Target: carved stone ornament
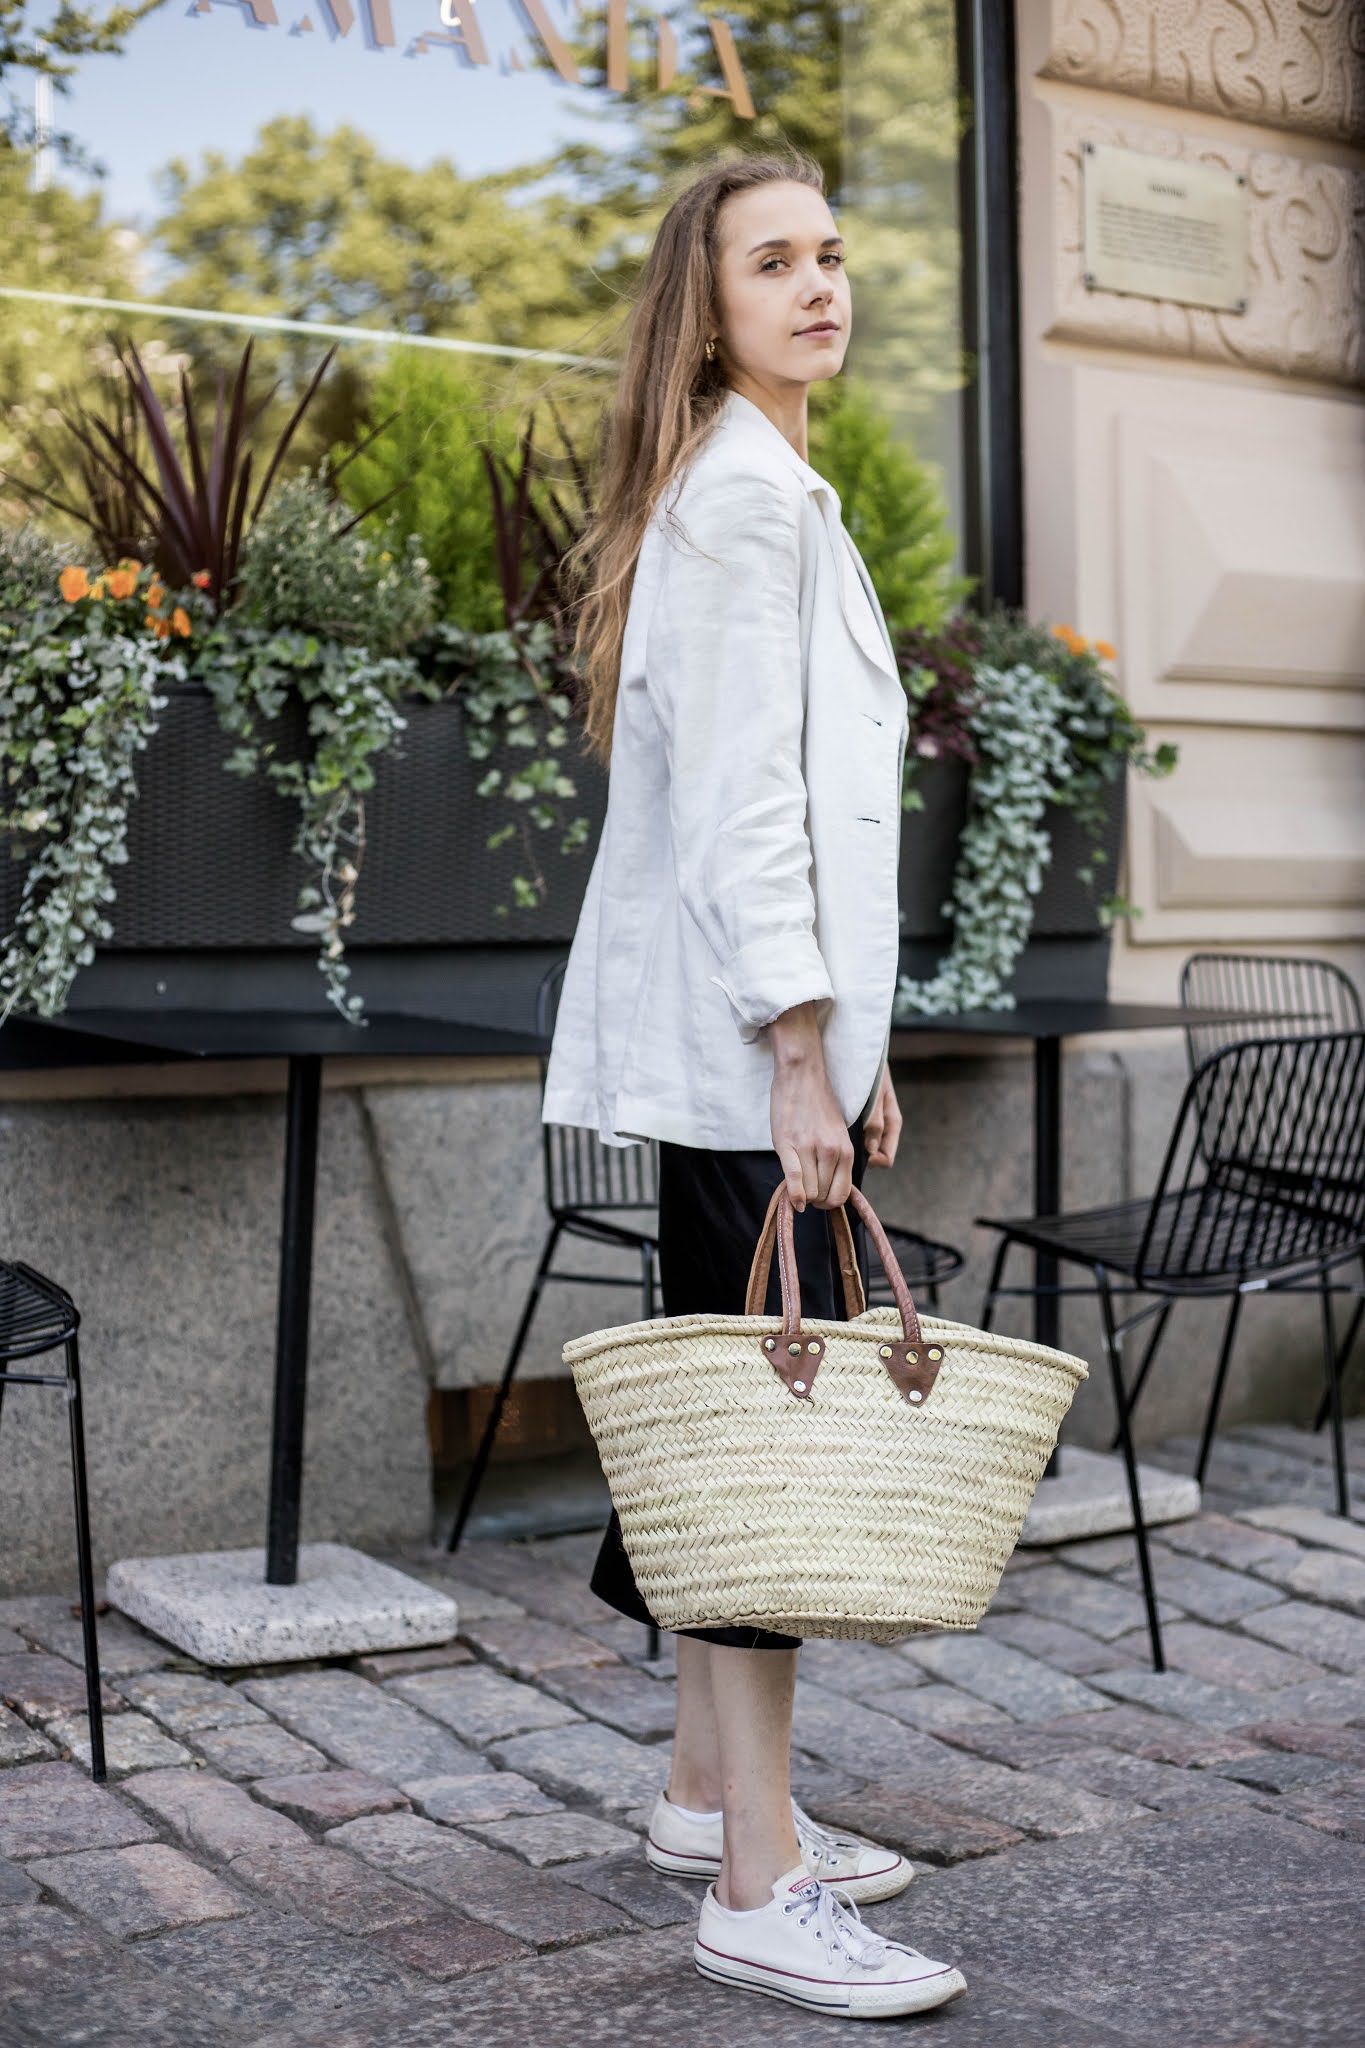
{"points": [[1296, 64], [1307, 260]]}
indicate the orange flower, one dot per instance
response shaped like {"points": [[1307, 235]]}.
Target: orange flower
{"points": [[201, 579], [1106, 651], [74, 584], [161, 627], [155, 594], [180, 622], [129, 562], [122, 582]]}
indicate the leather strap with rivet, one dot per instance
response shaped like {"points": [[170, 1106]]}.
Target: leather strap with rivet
{"points": [[911, 1362]]}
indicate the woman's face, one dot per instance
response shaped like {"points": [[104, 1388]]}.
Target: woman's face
{"points": [[784, 312]]}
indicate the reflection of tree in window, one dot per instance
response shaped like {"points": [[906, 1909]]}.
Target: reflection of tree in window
{"points": [[870, 91], [328, 227], [334, 227]]}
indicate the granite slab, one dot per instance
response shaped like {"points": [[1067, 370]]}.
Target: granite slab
{"points": [[217, 1606], [1089, 1497]]}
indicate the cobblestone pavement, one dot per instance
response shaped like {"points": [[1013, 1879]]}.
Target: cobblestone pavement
{"points": [[445, 1846]]}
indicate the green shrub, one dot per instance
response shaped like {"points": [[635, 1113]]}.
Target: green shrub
{"points": [[430, 456], [303, 570], [892, 505]]}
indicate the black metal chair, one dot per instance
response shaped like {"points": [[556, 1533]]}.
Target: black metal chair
{"points": [[1262, 1189], [590, 1188], [1273, 995], [925, 1263], [38, 1316], [1269, 996]]}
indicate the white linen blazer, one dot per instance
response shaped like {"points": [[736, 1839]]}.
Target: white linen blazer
{"points": [[749, 854]]}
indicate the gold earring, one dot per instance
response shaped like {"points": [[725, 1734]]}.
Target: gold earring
{"points": [[711, 349]]}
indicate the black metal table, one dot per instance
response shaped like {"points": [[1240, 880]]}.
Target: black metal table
{"points": [[1047, 1024], [304, 1039]]}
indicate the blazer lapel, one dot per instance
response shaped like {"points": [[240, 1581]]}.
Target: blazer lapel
{"points": [[866, 581], [740, 414], [851, 570]]}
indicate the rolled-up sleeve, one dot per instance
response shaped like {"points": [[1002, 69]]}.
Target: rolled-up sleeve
{"points": [[723, 671]]}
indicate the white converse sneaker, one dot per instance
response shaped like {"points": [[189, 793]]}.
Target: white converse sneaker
{"points": [[810, 1948], [689, 1844]]}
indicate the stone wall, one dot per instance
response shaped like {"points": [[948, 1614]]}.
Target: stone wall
{"points": [[162, 1219]]}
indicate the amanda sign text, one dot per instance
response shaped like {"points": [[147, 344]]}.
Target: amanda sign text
{"points": [[462, 31]]}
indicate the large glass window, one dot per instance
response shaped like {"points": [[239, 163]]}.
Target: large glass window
{"points": [[486, 172]]}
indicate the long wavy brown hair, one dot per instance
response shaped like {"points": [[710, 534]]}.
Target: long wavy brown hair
{"points": [[668, 397]]}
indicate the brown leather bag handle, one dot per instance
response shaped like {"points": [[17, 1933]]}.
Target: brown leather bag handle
{"points": [[911, 1363], [854, 1299]]}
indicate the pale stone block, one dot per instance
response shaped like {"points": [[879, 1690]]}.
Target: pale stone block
{"points": [[217, 1605]]}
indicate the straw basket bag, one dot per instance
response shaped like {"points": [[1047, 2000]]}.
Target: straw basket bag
{"points": [[861, 1478]]}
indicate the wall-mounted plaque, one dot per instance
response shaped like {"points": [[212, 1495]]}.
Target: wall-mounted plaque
{"points": [[1156, 228]]}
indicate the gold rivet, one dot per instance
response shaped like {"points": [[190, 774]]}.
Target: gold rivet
{"points": [[936, 1355], [795, 1350], [798, 1386], [770, 1343], [915, 1394], [885, 1351], [814, 1349], [913, 1357]]}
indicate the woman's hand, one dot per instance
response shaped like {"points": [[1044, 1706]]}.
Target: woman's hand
{"points": [[810, 1136], [882, 1128]]}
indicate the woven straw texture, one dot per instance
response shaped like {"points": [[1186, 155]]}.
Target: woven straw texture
{"points": [[849, 1513]]}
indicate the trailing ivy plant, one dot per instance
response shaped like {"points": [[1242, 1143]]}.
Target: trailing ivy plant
{"points": [[1103, 738], [351, 716], [323, 619], [1033, 713], [83, 663], [512, 687], [1021, 759]]}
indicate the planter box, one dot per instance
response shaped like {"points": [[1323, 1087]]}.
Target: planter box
{"points": [[204, 905], [1068, 949], [205, 901]]}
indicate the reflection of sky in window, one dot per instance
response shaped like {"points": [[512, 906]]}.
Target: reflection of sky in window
{"points": [[188, 82]]}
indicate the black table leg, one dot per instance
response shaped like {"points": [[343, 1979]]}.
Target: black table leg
{"points": [[1047, 1195], [291, 1338]]}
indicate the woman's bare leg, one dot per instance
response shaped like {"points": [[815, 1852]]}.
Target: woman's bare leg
{"points": [[732, 1753], [752, 1693], [694, 1780]]}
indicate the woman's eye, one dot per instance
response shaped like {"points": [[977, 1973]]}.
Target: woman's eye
{"points": [[836, 256]]}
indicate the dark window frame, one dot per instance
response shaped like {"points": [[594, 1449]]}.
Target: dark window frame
{"points": [[988, 193]]}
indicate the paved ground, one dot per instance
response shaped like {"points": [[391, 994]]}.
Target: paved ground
{"points": [[444, 1847]]}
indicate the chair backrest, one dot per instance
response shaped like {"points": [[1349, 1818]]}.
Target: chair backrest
{"points": [[1275, 996], [580, 1171], [1265, 1170]]}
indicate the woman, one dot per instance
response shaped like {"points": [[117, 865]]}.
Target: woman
{"points": [[729, 988]]}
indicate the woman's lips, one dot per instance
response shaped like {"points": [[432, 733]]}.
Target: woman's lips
{"points": [[821, 327]]}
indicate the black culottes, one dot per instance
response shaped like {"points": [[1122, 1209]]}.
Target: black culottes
{"points": [[711, 1210]]}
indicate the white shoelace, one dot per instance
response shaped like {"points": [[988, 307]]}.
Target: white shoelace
{"points": [[839, 1925], [823, 1845]]}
